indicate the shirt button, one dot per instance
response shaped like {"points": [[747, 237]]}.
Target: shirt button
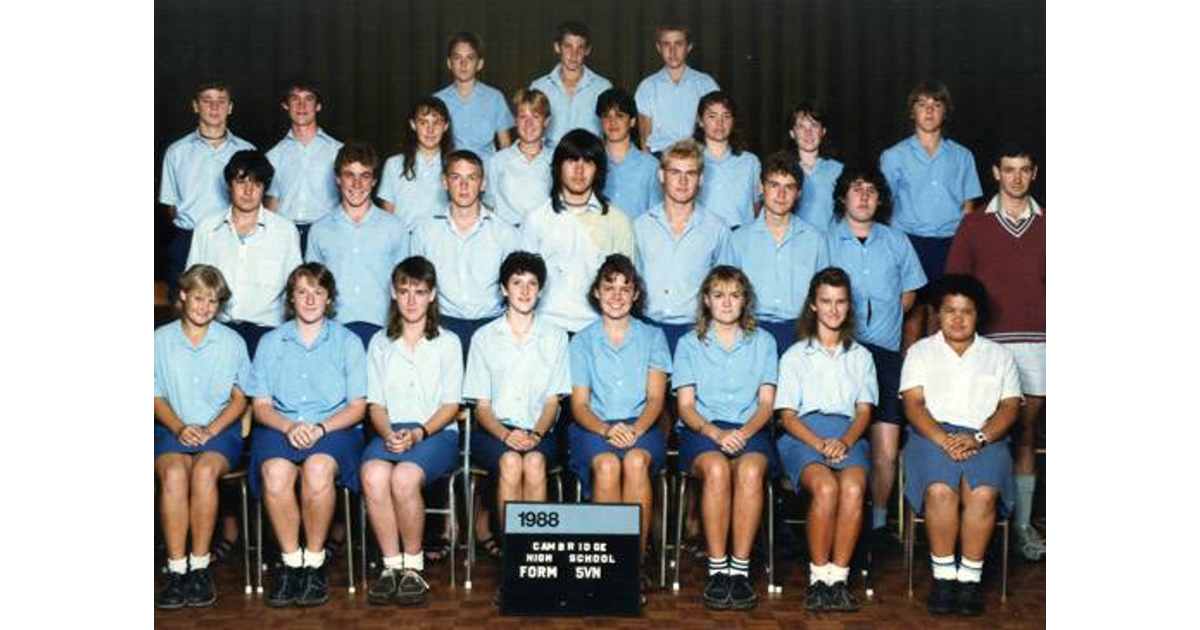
{"points": [[303, 398], [620, 382]]}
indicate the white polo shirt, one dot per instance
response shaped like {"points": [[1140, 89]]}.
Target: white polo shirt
{"points": [[961, 390]]}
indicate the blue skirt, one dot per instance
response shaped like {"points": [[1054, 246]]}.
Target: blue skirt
{"points": [[486, 449], [925, 463], [585, 446], [693, 445], [436, 454], [796, 455], [344, 446], [227, 443]]}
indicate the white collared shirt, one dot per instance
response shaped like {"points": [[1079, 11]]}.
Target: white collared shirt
{"points": [[412, 385], [961, 390], [518, 376], [811, 379]]}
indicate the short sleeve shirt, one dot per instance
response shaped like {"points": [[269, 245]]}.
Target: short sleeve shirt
{"points": [[518, 376], [478, 118], [617, 375], [413, 385], [196, 381], [309, 383], [961, 390], [727, 380], [812, 379]]}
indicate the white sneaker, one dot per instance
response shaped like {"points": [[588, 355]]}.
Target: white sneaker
{"points": [[1030, 543]]}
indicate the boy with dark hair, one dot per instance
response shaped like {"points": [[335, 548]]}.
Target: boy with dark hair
{"points": [[479, 113]]}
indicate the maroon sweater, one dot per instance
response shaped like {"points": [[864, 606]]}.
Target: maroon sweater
{"points": [[1011, 264]]}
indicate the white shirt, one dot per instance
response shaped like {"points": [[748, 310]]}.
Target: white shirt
{"points": [[811, 379], [413, 385], [517, 376], [961, 390]]}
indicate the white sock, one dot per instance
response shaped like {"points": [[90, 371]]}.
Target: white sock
{"points": [[838, 574], [815, 573], [178, 565], [970, 570], [415, 561], [199, 562], [943, 567], [1026, 486], [294, 559], [314, 559], [738, 566], [718, 565], [394, 562]]}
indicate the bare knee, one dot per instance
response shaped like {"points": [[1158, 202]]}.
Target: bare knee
{"points": [[981, 501], [375, 478], [278, 477], [606, 468], [318, 474], [510, 466], [533, 467], [637, 463], [825, 495], [407, 481], [716, 474], [940, 496]]}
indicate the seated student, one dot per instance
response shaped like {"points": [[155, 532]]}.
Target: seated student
{"points": [[731, 174], [615, 441], [725, 373], [517, 369], [961, 395], [518, 178], [308, 386], [780, 252], [826, 389], [411, 184], [632, 182], [414, 383], [806, 136], [478, 113], [200, 369]]}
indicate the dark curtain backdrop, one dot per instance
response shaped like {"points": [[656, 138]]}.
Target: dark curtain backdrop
{"points": [[859, 58]]}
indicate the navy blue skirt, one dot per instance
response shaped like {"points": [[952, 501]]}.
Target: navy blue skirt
{"points": [[795, 455], [585, 446], [693, 445], [925, 463], [486, 449], [227, 443], [344, 446], [437, 454]]}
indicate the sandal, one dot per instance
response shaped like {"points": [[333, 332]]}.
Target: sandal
{"points": [[437, 549], [491, 547], [333, 548], [222, 549]]}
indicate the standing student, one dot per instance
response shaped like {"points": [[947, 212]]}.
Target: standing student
{"points": [[571, 86], [414, 385], [619, 368], [725, 375], [575, 230], [886, 274], [667, 99], [303, 189], [632, 183], [411, 184], [359, 243], [478, 112], [806, 135], [780, 252], [731, 188], [200, 371], [519, 176], [309, 387], [827, 386]]}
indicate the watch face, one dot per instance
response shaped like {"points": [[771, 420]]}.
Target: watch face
{"points": [[980, 437]]}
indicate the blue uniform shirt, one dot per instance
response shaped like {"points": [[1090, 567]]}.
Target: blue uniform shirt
{"points": [[478, 118], [416, 198], [515, 185], [193, 177], [731, 186], [197, 380], [816, 198], [304, 182], [880, 270], [617, 376], [577, 111], [309, 384], [674, 269], [726, 380], [518, 376], [671, 106], [468, 265], [929, 192], [361, 256], [780, 272], [632, 184], [811, 379]]}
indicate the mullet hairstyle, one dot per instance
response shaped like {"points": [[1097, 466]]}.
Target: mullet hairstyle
{"points": [[202, 276], [806, 327], [717, 97], [464, 37], [578, 144], [321, 276], [414, 270], [425, 105], [807, 108], [619, 265], [935, 90], [871, 175], [722, 274], [620, 100]]}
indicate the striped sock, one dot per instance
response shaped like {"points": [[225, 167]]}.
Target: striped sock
{"points": [[943, 567], [970, 570], [738, 566], [718, 565]]}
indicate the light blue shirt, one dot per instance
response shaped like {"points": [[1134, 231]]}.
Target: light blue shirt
{"points": [[726, 380], [780, 272], [468, 265], [731, 186], [304, 182], [478, 118], [811, 379], [196, 381], [672, 106], [361, 256], [880, 269], [193, 177], [617, 375], [518, 376], [309, 384], [515, 185], [632, 184], [256, 266], [416, 198], [928, 193], [577, 111], [816, 197], [673, 269], [413, 385]]}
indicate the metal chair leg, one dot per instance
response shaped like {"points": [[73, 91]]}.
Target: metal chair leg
{"points": [[908, 519], [1004, 565], [349, 541], [662, 551], [681, 505], [452, 517], [258, 546], [772, 587], [246, 536]]}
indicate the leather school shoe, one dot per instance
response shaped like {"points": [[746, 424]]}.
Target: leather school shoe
{"points": [[970, 598], [314, 589], [173, 595], [383, 591], [838, 597], [413, 588], [716, 591], [199, 589], [815, 596], [943, 597], [287, 585], [741, 593]]}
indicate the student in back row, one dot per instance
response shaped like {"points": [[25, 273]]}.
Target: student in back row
{"points": [[571, 86], [668, 98], [478, 111]]}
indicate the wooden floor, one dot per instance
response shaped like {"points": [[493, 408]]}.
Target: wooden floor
{"points": [[460, 608]]}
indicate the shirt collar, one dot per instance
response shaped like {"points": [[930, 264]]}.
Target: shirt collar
{"points": [[993, 207], [181, 337], [261, 220], [592, 204], [290, 332], [811, 346], [740, 339], [945, 345], [586, 78]]}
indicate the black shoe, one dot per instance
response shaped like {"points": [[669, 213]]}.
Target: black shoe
{"points": [[716, 591], [815, 596], [413, 588], [173, 595], [741, 593], [200, 591], [943, 597], [838, 597], [970, 598], [286, 587], [314, 589], [884, 543], [383, 591]]}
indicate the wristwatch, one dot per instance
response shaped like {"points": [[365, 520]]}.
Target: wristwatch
{"points": [[981, 437]]}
